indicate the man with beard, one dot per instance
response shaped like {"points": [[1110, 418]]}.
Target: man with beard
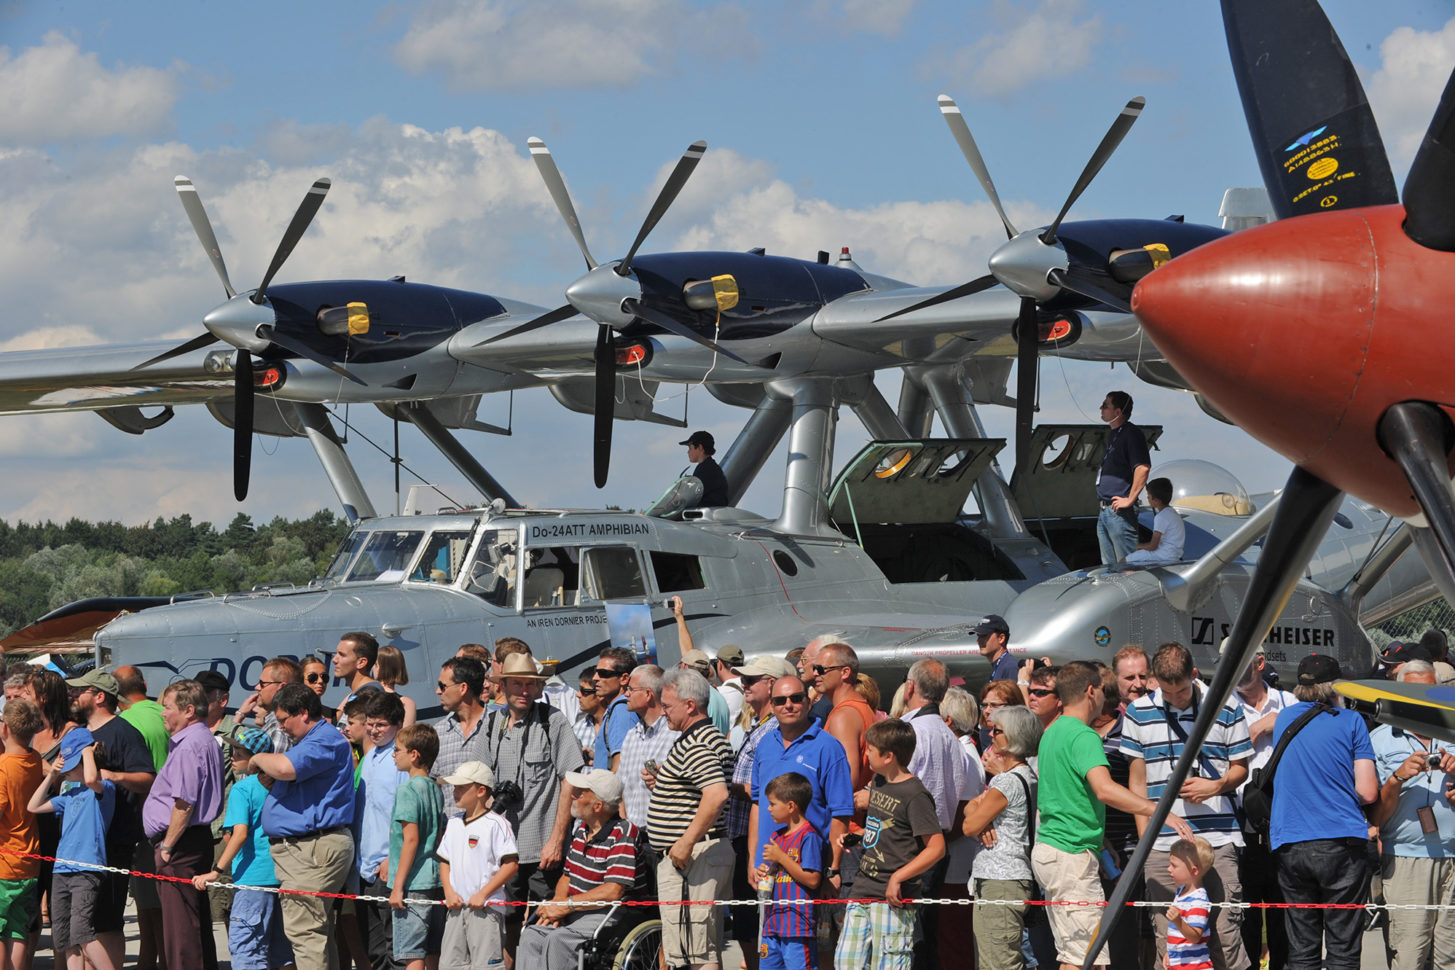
{"points": [[126, 761]]}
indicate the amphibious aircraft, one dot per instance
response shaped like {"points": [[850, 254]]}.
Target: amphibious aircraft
{"points": [[1303, 331]]}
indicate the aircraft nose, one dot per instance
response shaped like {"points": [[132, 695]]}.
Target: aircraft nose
{"points": [[599, 295], [1271, 324], [1022, 265], [236, 322]]}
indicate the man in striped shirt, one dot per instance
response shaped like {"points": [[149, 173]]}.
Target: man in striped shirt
{"points": [[602, 864], [684, 824], [1153, 733]]}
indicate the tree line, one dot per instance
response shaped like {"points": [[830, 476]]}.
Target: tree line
{"points": [[46, 565]]}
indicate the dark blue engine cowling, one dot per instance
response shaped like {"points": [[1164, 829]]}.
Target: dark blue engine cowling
{"points": [[404, 318], [1090, 244], [774, 292]]}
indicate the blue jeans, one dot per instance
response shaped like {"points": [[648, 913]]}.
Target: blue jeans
{"points": [[1116, 533], [1324, 871]]}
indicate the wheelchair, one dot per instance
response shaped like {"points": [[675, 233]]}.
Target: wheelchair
{"points": [[630, 938]]}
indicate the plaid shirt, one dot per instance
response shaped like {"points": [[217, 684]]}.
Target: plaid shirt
{"points": [[455, 750], [642, 744], [739, 808]]}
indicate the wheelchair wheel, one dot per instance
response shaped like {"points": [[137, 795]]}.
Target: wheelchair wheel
{"points": [[641, 947]]}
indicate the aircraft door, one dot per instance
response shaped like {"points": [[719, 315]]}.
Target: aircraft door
{"points": [[611, 573], [492, 574]]}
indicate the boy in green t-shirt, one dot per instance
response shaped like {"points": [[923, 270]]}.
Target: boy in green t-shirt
{"points": [[414, 834]]}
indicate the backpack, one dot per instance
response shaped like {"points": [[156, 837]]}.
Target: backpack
{"points": [[1258, 794]]}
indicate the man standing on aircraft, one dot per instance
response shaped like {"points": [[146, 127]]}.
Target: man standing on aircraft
{"points": [[1119, 483], [460, 689], [278, 672], [993, 635], [700, 449]]}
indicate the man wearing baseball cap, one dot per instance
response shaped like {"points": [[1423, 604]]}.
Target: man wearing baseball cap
{"points": [[993, 634], [1318, 832], [700, 449], [601, 865]]}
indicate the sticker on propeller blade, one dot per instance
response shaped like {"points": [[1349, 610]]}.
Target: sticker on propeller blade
{"points": [[1102, 636], [1323, 168], [1303, 140]]}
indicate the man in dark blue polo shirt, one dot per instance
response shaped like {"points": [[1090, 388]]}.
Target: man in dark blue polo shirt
{"points": [[1119, 483], [800, 744], [306, 819]]}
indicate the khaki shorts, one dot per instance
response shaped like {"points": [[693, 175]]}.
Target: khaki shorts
{"points": [[1072, 877], [693, 934]]}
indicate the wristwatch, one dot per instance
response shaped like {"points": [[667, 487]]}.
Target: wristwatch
{"points": [[219, 870], [831, 872]]}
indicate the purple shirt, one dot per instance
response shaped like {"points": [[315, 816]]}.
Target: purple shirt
{"points": [[193, 774]]}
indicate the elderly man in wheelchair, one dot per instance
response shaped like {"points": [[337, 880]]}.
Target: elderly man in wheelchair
{"points": [[585, 923]]}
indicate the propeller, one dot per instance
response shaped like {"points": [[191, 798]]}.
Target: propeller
{"points": [[608, 293], [1031, 265], [240, 322]]}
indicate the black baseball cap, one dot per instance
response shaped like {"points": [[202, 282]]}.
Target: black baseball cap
{"points": [[702, 438], [1318, 668], [994, 623], [212, 680], [1400, 653]]}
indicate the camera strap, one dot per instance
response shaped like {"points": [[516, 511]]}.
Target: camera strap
{"points": [[1174, 725]]}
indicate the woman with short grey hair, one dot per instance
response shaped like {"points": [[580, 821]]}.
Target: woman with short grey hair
{"points": [[1003, 818]]}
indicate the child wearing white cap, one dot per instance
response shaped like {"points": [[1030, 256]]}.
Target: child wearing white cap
{"points": [[477, 857]]}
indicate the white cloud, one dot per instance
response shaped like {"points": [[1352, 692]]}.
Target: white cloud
{"points": [[1052, 40], [512, 44], [871, 16], [56, 92], [1414, 68]]}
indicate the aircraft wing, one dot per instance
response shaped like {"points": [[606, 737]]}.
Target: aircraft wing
{"points": [[561, 349], [858, 321], [97, 378]]}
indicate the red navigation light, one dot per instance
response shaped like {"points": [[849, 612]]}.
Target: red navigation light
{"points": [[268, 378], [631, 355]]}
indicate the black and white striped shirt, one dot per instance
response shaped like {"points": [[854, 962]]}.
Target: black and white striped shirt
{"points": [[700, 758]]}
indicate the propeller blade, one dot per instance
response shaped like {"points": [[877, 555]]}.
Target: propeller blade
{"points": [[964, 289], [1104, 151], [971, 151], [605, 408], [1429, 190], [1414, 435], [1306, 109], [1027, 362], [665, 198], [242, 424], [272, 335], [307, 209], [201, 225], [556, 185], [1305, 509], [680, 329], [554, 316], [196, 343], [1094, 286]]}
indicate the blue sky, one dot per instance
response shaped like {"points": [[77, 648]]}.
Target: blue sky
{"points": [[822, 132]]}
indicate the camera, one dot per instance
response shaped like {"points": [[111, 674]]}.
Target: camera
{"points": [[1433, 760], [508, 795]]}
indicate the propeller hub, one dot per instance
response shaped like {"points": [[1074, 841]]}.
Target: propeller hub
{"points": [[1023, 266], [600, 294], [238, 322]]}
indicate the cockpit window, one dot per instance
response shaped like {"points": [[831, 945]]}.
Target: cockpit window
{"points": [[611, 573], [443, 556], [491, 576], [339, 567], [385, 557]]}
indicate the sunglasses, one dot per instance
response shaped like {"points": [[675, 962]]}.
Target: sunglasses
{"points": [[605, 672], [268, 683], [586, 691], [441, 686], [995, 732], [316, 678], [820, 669], [798, 698], [750, 681], [1040, 692]]}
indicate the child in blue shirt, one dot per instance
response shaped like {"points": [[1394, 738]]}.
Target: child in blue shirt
{"points": [[86, 808], [255, 935], [793, 860]]}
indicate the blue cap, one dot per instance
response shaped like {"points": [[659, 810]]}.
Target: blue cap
{"points": [[72, 745]]}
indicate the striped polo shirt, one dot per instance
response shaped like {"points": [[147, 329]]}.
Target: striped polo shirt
{"points": [[698, 759], [1193, 904], [1147, 733], [806, 847], [611, 856]]}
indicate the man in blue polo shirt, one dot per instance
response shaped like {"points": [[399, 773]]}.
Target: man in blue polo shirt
{"points": [[800, 744], [307, 819]]}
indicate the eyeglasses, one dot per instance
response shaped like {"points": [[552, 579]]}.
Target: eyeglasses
{"points": [[268, 683], [605, 672], [820, 669], [586, 691], [995, 732], [798, 698], [1040, 692], [992, 705], [316, 678], [441, 686]]}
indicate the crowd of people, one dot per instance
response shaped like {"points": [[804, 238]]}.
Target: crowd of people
{"points": [[762, 779]]}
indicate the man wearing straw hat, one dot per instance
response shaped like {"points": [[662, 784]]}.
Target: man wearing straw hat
{"points": [[530, 747]]}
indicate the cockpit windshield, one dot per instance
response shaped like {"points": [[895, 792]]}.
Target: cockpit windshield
{"points": [[385, 557], [443, 556], [340, 565]]}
